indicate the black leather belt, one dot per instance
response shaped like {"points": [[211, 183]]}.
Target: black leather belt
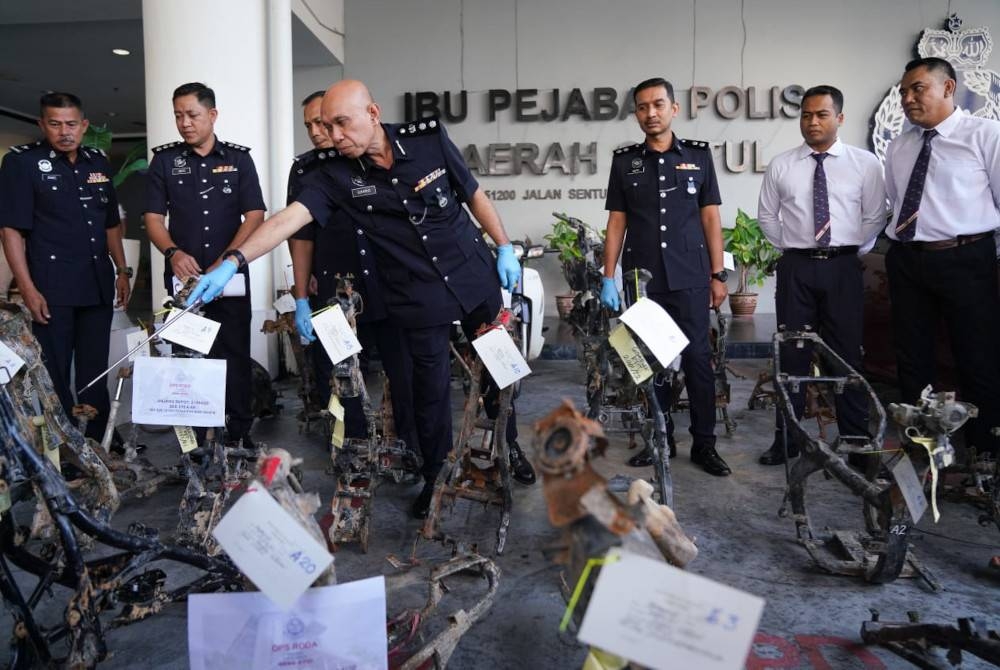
{"points": [[939, 245], [823, 253]]}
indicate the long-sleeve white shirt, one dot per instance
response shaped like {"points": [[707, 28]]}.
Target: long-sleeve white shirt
{"points": [[855, 190]]}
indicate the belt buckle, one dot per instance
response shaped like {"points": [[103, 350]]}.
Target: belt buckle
{"points": [[820, 254]]}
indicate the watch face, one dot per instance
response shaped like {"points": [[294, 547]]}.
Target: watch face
{"points": [[722, 276]]}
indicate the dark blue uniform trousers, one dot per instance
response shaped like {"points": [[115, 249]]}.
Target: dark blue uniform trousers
{"points": [[233, 345], [689, 308], [78, 336]]}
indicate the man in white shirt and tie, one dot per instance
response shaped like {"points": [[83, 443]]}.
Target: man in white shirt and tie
{"points": [[943, 180], [822, 203]]}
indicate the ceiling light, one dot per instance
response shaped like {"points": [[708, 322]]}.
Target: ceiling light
{"points": [[121, 52]]}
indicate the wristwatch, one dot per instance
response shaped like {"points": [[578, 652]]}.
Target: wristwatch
{"points": [[169, 252], [241, 260], [721, 275], [125, 270]]}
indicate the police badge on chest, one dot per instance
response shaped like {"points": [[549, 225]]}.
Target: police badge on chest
{"points": [[637, 166]]}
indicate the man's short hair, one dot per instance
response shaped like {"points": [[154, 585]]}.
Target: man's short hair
{"points": [[205, 95], [933, 64], [653, 83], [825, 89], [312, 96], [58, 99]]}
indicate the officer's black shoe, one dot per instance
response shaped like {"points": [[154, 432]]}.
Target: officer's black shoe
{"points": [[710, 461], [422, 504], [775, 455], [520, 466]]}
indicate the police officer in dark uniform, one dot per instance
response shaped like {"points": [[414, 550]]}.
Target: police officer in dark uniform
{"points": [[59, 223], [335, 250], [211, 191], [403, 187], [665, 195]]}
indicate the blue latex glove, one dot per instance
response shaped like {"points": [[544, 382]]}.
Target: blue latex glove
{"points": [[303, 319], [609, 294], [507, 267], [210, 285]]}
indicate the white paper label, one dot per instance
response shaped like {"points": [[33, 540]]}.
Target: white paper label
{"points": [[651, 324], [335, 334], [284, 304], [132, 340], [335, 627], [289, 276], [661, 617], [910, 487], [179, 392], [269, 546], [191, 331], [499, 354], [728, 262], [10, 363]]}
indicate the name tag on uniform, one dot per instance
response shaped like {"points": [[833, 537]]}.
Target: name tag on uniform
{"points": [[224, 168], [51, 177], [180, 170], [363, 191]]}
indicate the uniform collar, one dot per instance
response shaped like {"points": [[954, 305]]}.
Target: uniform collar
{"points": [[836, 149], [399, 150], [217, 149], [82, 153], [675, 146]]}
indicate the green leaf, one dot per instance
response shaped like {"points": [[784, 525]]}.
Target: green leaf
{"points": [[98, 137]]}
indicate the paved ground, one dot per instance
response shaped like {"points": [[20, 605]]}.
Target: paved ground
{"points": [[811, 620]]}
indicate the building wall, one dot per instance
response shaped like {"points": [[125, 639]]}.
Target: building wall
{"points": [[859, 46]]}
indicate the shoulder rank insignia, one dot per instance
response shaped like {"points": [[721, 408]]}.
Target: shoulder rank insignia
{"points": [[164, 147], [238, 147], [696, 144], [415, 128], [20, 148], [628, 149]]}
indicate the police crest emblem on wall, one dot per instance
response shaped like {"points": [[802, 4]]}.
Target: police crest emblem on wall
{"points": [[978, 90]]}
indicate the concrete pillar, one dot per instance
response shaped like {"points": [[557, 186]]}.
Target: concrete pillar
{"points": [[283, 119], [225, 45]]}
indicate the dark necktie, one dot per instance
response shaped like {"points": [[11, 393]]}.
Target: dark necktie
{"points": [[821, 203], [906, 224]]}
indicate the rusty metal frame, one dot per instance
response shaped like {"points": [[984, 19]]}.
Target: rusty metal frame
{"points": [[915, 641], [880, 553]]}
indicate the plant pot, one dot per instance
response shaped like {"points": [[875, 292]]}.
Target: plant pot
{"points": [[564, 304], [743, 304]]}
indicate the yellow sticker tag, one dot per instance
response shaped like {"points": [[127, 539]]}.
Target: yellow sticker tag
{"points": [[50, 446], [335, 408], [187, 438], [338, 434], [630, 353]]}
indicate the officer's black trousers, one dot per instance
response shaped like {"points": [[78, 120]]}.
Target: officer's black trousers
{"points": [[233, 345], [826, 295], [959, 287], [689, 309], [478, 317], [78, 336], [394, 353], [429, 353]]}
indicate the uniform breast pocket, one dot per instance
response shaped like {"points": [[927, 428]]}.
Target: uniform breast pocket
{"points": [[958, 177], [689, 183], [225, 184], [438, 196], [640, 189]]}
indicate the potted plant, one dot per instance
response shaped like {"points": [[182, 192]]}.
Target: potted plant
{"points": [[565, 238], [754, 257]]}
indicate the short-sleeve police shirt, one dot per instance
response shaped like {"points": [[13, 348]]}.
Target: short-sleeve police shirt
{"points": [[432, 260], [205, 196], [337, 247], [662, 194], [63, 209]]}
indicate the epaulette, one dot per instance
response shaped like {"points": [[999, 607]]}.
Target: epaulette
{"points": [[628, 149], [238, 147], [164, 147], [24, 147], [315, 155], [425, 127], [695, 144]]}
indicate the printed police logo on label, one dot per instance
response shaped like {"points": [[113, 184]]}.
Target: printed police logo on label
{"points": [[45, 165], [180, 161], [295, 627], [977, 91]]}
